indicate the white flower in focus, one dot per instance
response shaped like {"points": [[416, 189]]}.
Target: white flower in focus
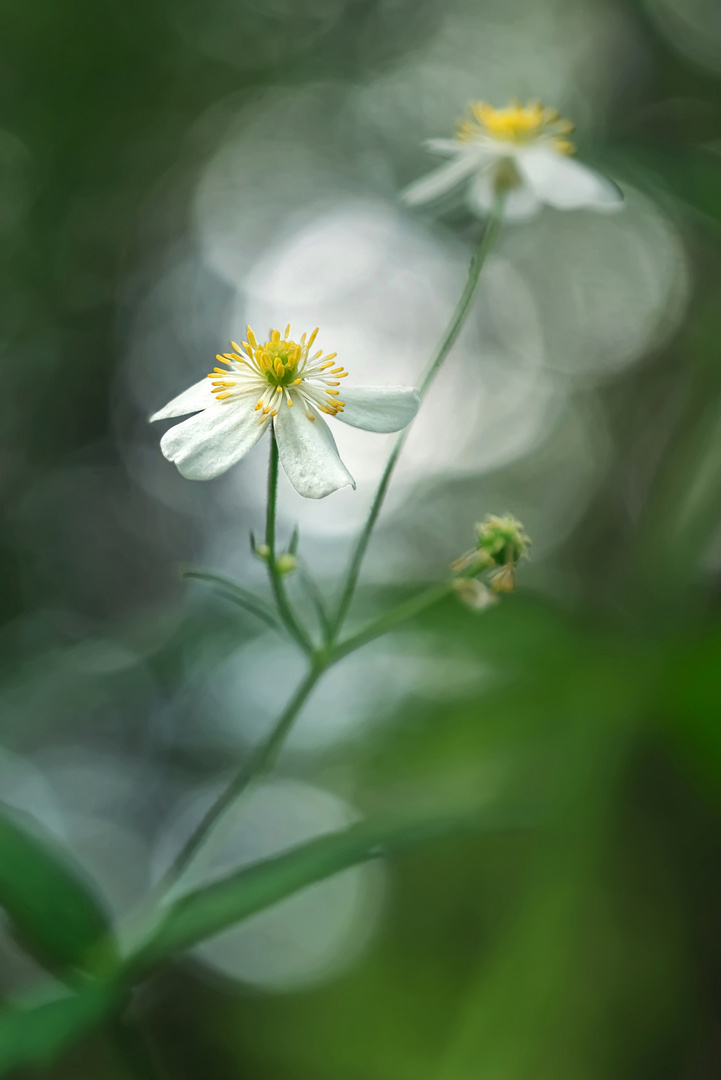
{"points": [[524, 150], [278, 383]]}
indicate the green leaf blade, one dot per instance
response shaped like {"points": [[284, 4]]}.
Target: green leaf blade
{"points": [[216, 907], [53, 912]]}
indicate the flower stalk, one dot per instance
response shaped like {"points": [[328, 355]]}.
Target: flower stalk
{"points": [[333, 650], [478, 261], [275, 572]]}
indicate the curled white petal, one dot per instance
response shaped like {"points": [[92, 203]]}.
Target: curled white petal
{"points": [[210, 442], [379, 408], [567, 184], [196, 397], [441, 180], [308, 453]]}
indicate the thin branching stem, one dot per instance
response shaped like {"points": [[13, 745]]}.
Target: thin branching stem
{"points": [[478, 261], [295, 628], [322, 659], [389, 620], [258, 763]]}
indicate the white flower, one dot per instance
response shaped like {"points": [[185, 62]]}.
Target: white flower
{"points": [[278, 381], [523, 150]]}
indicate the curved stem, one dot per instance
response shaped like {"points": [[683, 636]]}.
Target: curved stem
{"points": [[390, 619], [321, 660], [478, 261], [258, 763], [276, 578]]}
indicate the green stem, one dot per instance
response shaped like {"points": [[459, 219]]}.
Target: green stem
{"points": [[285, 610], [258, 763], [264, 757], [478, 261], [321, 660], [390, 619]]}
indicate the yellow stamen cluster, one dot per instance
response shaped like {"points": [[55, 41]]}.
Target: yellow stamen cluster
{"points": [[518, 124], [278, 367]]}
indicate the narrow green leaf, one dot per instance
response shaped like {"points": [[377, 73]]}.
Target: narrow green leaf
{"points": [[36, 1036], [231, 590], [53, 911], [207, 911]]}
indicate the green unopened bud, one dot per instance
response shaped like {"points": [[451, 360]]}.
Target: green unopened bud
{"points": [[286, 563], [500, 543], [502, 540]]}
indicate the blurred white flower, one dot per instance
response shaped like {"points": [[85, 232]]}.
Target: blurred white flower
{"points": [[522, 149], [272, 379]]}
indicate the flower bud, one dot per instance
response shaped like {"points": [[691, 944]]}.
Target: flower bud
{"points": [[500, 543], [286, 563], [502, 540]]}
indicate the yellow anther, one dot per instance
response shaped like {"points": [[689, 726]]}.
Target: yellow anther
{"points": [[221, 358], [287, 332], [251, 337], [279, 367], [236, 346], [313, 336], [297, 382], [225, 394], [340, 404], [279, 390], [275, 336], [258, 406], [332, 391], [327, 364], [289, 403]]}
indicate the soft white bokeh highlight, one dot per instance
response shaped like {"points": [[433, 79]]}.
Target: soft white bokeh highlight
{"points": [[304, 940]]}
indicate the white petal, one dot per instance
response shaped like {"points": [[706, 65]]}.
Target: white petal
{"points": [[193, 399], [379, 408], [308, 453], [208, 444], [521, 202], [441, 180], [444, 147], [567, 184]]}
